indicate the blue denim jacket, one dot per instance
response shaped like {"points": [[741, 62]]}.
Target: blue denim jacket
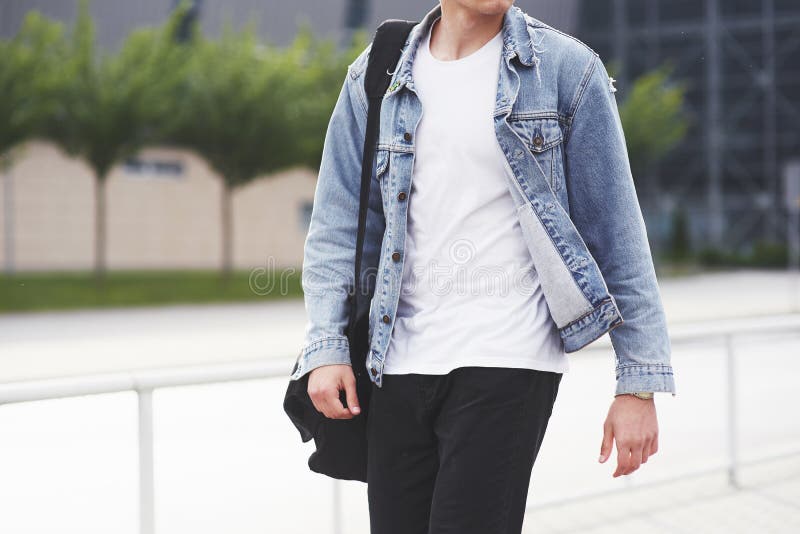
{"points": [[557, 122]]}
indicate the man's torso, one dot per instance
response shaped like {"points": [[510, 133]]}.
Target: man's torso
{"points": [[470, 294]]}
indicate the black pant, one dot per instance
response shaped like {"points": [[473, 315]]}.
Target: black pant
{"points": [[453, 453]]}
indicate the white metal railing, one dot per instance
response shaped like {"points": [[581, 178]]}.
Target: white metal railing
{"points": [[144, 382]]}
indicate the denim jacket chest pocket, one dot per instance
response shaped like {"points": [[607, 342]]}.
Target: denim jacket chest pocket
{"points": [[544, 138]]}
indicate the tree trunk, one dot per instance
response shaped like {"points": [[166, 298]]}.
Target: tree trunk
{"points": [[227, 231], [99, 228]]}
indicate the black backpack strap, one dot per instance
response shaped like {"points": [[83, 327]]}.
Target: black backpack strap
{"points": [[387, 45], [384, 54]]}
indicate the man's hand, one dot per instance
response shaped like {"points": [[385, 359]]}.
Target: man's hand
{"points": [[633, 423], [324, 384]]}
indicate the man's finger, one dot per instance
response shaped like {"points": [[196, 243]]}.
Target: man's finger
{"points": [[323, 402], [606, 444], [337, 403], [646, 451], [334, 405], [623, 459], [352, 397], [635, 461]]}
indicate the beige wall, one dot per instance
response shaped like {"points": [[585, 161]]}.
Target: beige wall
{"points": [[267, 222], [164, 221], [52, 210], [155, 220]]}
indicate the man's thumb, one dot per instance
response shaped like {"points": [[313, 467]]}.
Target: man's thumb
{"points": [[352, 398], [605, 447]]}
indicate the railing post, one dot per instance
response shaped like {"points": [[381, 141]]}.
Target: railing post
{"points": [[733, 453], [146, 472], [337, 507]]}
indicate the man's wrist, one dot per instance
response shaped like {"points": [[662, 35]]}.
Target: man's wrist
{"points": [[644, 395]]}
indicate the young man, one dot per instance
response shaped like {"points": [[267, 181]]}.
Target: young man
{"points": [[503, 232]]}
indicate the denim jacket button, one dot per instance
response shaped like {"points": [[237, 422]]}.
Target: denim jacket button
{"points": [[407, 136], [386, 319], [401, 195], [396, 256], [537, 141], [374, 371]]}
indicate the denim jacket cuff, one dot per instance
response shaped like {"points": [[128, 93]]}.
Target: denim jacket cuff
{"points": [[325, 351], [645, 377]]}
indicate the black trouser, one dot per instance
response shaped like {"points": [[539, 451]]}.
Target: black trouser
{"points": [[453, 453]]}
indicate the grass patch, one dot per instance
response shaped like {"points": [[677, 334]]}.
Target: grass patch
{"points": [[59, 291]]}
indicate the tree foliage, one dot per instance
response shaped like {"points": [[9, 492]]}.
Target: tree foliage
{"points": [[653, 116], [251, 108], [115, 103], [109, 105], [31, 79]]}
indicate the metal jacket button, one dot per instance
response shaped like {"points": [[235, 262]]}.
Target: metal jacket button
{"points": [[386, 319], [537, 141], [401, 195], [396, 256], [407, 136], [374, 371]]}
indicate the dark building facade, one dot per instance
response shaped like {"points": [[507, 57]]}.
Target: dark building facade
{"points": [[742, 61]]}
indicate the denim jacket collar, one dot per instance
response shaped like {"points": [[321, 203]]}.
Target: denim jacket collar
{"points": [[516, 41]]}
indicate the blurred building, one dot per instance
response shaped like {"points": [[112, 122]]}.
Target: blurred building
{"points": [[740, 59], [276, 20]]}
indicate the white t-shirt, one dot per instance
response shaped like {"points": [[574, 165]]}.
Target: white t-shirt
{"points": [[470, 295]]}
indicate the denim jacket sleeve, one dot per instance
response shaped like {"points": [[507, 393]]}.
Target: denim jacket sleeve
{"points": [[329, 249], [605, 210]]}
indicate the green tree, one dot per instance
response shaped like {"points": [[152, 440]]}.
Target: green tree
{"points": [[318, 83], [251, 108], [653, 117], [30, 79], [115, 103]]}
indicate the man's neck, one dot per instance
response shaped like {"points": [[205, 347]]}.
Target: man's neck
{"points": [[461, 31]]}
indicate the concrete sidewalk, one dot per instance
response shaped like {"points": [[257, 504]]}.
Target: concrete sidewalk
{"points": [[766, 501], [56, 344]]}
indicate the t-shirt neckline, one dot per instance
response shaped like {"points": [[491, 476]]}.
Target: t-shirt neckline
{"points": [[462, 60]]}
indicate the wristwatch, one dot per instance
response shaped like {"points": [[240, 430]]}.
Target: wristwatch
{"points": [[644, 395]]}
